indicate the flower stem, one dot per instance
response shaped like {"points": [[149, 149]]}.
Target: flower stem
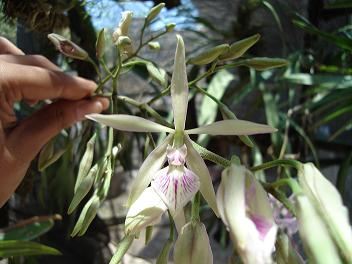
{"points": [[195, 207], [279, 162], [211, 156]]}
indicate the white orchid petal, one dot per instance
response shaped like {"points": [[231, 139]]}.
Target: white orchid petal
{"points": [[145, 211], [179, 86], [326, 198], [257, 201], [176, 186], [129, 123], [232, 198], [232, 127], [315, 237], [150, 166], [196, 164]]}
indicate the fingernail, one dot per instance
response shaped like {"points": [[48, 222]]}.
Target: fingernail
{"points": [[89, 107], [104, 101]]}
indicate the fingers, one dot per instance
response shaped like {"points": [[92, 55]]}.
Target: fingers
{"points": [[36, 83], [30, 136], [31, 60], [6, 47]]}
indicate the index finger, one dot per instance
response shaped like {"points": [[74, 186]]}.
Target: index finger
{"points": [[6, 47], [35, 83]]}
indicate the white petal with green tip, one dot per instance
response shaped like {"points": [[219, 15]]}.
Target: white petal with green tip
{"points": [[179, 86], [129, 123], [150, 166], [232, 127], [196, 164]]}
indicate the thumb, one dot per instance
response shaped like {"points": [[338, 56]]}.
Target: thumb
{"points": [[32, 134]]}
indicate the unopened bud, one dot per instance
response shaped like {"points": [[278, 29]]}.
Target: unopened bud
{"points": [[125, 22], [125, 44], [100, 45], [67, 47], [170, 27], [238, 48], [209, 55], [154, 12], [262, 64], [314, 234], [192, 245], [154, 45], [327, 200]]}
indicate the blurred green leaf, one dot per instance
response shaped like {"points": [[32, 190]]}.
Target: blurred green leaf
{"points": [[325, 81], [343, 174], [29, 229], [342, 42], [338, 4], [11, 248], [209, 109]]}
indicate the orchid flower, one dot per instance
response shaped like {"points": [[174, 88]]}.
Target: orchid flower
{"points": [[177, 184], [246, 211]]}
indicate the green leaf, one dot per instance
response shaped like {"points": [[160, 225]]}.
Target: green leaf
{"points": [[13, 248], [338, 4], [325, 81], [29, 229], [208, 109], [343, 174], [342, 42], [121, 250]]}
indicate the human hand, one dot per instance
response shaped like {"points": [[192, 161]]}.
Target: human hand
{"points": [[33, 78]]}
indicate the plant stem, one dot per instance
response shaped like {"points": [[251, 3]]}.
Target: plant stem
{"points": [[195, 207], [279, 162]]}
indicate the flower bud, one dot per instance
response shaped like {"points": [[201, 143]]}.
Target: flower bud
{"points": [[145, 211], [122, 29], [170, 27], [209, 55], [125, 44], [192, 245], [157, 74], [67, 47], [125, 22], [154, 45], [154, 12], [262, 64], [100, 45], [327, 201], [245, 210], [314, 234], [238, 48]]}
